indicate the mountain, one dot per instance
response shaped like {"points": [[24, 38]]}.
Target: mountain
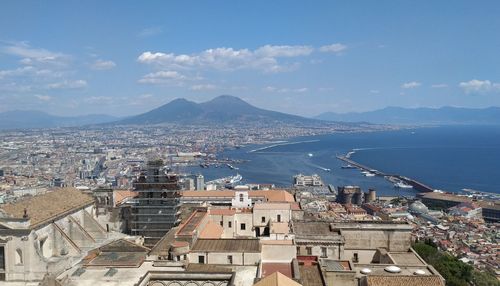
{"points": [[420, 116], [21, 119], [222, 109]]}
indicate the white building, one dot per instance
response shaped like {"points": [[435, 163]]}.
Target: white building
{"points": [[43, 235]]}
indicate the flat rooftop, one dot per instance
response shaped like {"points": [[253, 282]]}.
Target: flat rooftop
{"points": [[310, 275], [226, 245], [283, 268], [405, 258]]}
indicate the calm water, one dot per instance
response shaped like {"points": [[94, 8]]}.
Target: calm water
{"points": [[446, 158]]}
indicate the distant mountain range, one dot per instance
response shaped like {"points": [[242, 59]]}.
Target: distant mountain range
{"points": [[23, 119], [222, 109], [420, 116], [226, 109]]}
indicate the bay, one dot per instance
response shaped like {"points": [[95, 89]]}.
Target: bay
{"points": [[448, 158]]}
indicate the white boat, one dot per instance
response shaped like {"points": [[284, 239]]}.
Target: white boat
{"points": [[310, 154], [368, 174], [401, 185]]}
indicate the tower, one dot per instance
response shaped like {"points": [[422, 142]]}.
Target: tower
{"points": [[200, 182], [154, 211]]}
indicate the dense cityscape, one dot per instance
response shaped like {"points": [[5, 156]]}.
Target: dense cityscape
{"points": [[136, 192]]}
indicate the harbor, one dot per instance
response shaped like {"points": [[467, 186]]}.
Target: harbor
{"points": [[398, 180]]}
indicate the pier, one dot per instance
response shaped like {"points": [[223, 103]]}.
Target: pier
{"points": [[419, 186]]}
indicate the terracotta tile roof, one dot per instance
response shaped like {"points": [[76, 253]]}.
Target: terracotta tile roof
{"points": [[274, 195], [49, 206], [271, 268], [227, 212], [276, 279], [121, 195], [189, 226], [211, 230], [400, 280], [270, 196], [213, 194]]}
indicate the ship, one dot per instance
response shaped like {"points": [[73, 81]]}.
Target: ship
{"points": [[233, 181], [227, 182], [348, 166], [401, 185], [368, 174], [232, 167]]}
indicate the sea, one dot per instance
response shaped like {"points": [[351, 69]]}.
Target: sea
{"points": [[449, 158]]}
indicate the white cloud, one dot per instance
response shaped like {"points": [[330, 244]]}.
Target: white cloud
{"points": [[439, 85], [375, 91], [285, 90], [67, 84], [203, 87], [102, 65], [43, 97], [30, 71], [228, 59], [333, 48], [16, 72], [283, 51], [150, 31], [479, 86], [31, 56], [411, 84], [162, 77]]}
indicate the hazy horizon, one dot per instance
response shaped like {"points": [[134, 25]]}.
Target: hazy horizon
{"points": [[307, 116]]}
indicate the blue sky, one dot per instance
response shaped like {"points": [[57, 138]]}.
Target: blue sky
{"points": [[301, 57]]}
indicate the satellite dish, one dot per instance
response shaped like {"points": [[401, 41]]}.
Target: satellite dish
{"points": [[365, 271], [393, 269], [419, 272]]}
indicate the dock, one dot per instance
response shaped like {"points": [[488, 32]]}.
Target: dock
{"points": [[419, 186]]}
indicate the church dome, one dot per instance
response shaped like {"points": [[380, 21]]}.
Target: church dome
{"points": [[418, 207]]}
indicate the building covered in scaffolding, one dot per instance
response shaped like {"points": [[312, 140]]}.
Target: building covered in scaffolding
{"points": [[155, 209]]}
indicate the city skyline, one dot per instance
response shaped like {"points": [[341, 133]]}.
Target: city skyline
{"points": [[83, 58]]}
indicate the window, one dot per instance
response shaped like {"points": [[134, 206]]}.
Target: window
{"points": [[230, 259], [279, 218], [221, 223], [229, 224], [19, 256], [309, 250], [298, 250], [2, 258], [355, 259], [201, 259], [241, 198], [263, 219], [324, 252], [243, 226]]}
